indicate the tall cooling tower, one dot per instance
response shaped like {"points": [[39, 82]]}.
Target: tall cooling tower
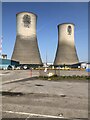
{"points": [[26, 49], [66, 51]]}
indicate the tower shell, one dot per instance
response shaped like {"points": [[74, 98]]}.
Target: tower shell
{"points": [[66, 51], [26, 49]]}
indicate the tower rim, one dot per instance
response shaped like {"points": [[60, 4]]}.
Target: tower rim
{"points": [[65, 23], [26, 12]]}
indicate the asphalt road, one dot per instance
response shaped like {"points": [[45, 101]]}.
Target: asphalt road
{"points": [[26, 97], [30, 98]]}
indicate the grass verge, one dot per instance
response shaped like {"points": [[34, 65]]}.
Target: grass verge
{"points": [[55, 77]]}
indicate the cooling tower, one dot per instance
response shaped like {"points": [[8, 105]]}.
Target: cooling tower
{"points": [[66, 51], [26, 49]]}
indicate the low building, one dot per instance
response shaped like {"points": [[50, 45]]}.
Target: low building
{"points": [[5, 63]]}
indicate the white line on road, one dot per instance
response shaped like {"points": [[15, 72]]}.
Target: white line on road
{"points": [[15, 80], [32, 114], [2, 74]]}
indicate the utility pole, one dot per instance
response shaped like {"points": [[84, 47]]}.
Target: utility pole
{"points": [[46, 57], [1, 47]]}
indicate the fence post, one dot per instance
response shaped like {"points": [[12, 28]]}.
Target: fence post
{"points": [[30, 72]]}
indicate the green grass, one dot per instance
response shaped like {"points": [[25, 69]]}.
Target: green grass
{"points": [[55, 77]]}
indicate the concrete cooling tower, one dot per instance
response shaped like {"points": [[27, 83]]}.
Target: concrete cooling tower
{"points": [[66, 51], [26, 49]]}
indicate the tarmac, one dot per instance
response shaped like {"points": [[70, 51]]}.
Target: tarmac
{"points": [[24, 96]]}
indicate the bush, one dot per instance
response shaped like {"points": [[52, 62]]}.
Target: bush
{"points": [[54, 76]]}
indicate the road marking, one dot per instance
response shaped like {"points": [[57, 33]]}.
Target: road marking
{"points": [[32, 114], [2, 74], [15, 80]]}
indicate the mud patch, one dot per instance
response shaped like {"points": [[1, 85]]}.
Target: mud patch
{"points": [[6, 93], [38, 85]]}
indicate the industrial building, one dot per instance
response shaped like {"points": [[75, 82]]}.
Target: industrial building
{"points": [[7, 63], [26, 49], [66, 51]]}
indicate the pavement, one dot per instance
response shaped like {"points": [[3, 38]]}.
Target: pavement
{"points": [[14, 75], [24, 96]]}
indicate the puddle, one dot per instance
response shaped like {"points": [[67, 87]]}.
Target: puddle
{"points": [[38, 85], [11, 93], [63, 95]]}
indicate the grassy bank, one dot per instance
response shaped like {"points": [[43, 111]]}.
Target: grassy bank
{"points": [[55, 77]]}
